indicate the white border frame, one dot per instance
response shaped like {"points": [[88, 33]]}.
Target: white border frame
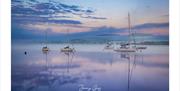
{"points": [[5, 45], [174, 61]]}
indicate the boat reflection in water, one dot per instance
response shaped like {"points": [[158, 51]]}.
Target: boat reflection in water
{"points": [[107, 70], [131, 66], [69, 56]]}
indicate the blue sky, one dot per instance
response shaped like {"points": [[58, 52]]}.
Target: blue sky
{"points": [[31, 18]]}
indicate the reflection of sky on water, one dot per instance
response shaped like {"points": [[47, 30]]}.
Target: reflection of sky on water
{"points": [[111, 71]]}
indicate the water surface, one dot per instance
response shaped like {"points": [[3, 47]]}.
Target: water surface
{"points": [[90, 66]]}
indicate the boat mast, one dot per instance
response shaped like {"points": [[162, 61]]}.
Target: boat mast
{"points": [[129, 27], [46, 38], [48, 27], [130, 31], [68, 41]]}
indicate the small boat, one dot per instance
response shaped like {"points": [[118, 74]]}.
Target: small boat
{"points": [[125, 48], [141, 47], [109, 46], [45, 48], [67, 49]]}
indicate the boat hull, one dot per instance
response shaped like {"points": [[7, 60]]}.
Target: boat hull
{"points": [[67, 50], [109, 48], [125, 50], [141, 48], [45, 49]]}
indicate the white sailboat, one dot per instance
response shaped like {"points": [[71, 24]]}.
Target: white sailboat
{"points": [[67, 48], [141, 47], [45, 48], [127, 47], [109, 46]]}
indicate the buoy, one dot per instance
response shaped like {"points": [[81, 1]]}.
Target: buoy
{"points": [[25, 52]]}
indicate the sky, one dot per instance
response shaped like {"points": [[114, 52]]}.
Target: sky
{"points": [[92, 18]]}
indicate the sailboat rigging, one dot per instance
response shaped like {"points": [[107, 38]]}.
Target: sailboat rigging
{"points": [[45, 48], [68, 48], [127, 47]]}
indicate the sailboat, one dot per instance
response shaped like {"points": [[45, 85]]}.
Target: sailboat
{"points": [[67, 48], [141, 47], [109, 45], [45, 48], [127, 47]]}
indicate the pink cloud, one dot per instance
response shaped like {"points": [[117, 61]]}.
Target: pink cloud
{"points": [[155, 31]]}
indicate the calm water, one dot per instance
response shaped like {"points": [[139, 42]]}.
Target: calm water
{"points": [[91, 67]]}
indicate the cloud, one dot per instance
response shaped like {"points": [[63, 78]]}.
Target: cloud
{"points": [[34, 12], [151, 29], [65, 21], [151, 25], [93, 17], [146, 29], [16, 1], [44, 8], [58, 32], [37, 19], [165, 15]]}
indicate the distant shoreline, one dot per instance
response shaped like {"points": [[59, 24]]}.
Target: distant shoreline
{"points": [[117, 42]]}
